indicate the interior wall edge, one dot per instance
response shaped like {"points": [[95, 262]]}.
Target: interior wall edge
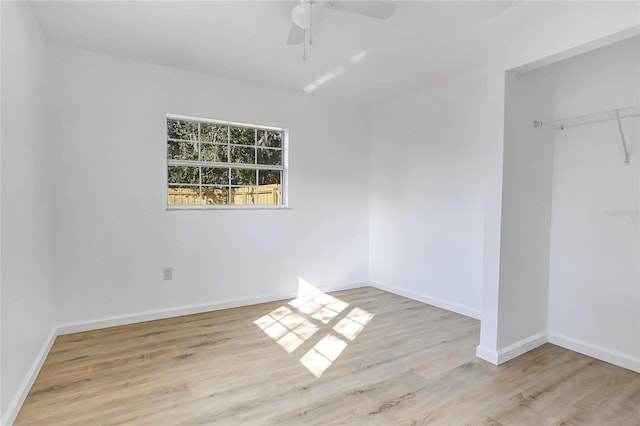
{"points": [[13, 409], [439, 303], [595, 351]]}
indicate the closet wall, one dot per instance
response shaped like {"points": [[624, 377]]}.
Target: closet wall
{"points": [[594, 280], [526, 213]]}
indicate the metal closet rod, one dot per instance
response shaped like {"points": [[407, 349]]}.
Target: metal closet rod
{"points": [[615, 114], [579, 120]]}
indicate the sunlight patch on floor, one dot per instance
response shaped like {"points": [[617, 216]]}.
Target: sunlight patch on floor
{"points": [[351, 325], [322, 355], [292, 325]]}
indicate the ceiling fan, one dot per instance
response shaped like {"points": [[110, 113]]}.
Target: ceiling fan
{"points": [[304, 13]]}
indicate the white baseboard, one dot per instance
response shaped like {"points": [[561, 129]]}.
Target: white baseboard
{"points": [[524, 345], [614, 357], [511, 351], [17, 401], [449, 306], [487, 354], [136, 317]]}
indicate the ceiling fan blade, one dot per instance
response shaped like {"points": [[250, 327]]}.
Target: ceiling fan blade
{"points": [[296, 34], [372, 8]]}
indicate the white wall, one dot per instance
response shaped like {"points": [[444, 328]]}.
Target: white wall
{"points": [[113, 234], [594, 286], [433, 234], [427, 193], [542, 32], [27, 298], [526, 213]]}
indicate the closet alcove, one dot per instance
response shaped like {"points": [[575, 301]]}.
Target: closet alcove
{"points": [[570, 240]]}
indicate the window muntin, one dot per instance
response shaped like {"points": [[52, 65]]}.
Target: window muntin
{"points": [[212, 163]]}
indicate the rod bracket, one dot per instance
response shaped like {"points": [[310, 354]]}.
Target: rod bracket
{"points": [[627, 159]]}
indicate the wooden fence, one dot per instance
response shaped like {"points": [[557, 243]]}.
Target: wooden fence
{"points": [[267, 194]]}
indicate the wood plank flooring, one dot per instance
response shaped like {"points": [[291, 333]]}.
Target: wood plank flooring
{"points": [[354, 357]]}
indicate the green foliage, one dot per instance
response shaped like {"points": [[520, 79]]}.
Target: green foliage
{"points": [[183, 174], [272, 157], [213, 133], [269, 139], [215, 176], [242, 135], [243, 177], [243, 154], [184, 130], [182, 150], [269, 177], [214, 153]]}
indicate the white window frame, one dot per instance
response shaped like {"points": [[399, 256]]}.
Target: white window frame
{"points": [[284, 168]]}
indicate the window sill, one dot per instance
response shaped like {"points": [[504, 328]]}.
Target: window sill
{"points": [[228, 207]]}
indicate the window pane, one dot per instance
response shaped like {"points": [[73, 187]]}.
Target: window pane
{"points": [[243, 177], [183, 195], [269, 138], [186, 130], [213, 133], [214, 153], [244, 195], [214, 176], [269, 177], [270, 194], [182, 150], [183, 174], [272, 157], [243, 135], [241, 154], [212, 156], [215, 195]]}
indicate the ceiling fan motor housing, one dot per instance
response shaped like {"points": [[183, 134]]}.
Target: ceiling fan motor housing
{"points": [[301, 14]]}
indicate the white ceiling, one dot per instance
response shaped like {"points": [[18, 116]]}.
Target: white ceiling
{"points": [[353, 57]]}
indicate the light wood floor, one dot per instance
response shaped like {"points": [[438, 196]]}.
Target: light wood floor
{"points": [[381, 359]]}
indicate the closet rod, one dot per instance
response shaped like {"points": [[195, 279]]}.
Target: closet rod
{"points": [[615, 114], [633, 111]]}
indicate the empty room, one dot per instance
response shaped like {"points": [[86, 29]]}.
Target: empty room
{"points": [[320, 212]]}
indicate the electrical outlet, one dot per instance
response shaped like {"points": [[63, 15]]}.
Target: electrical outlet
{"points": [[167, 273]]}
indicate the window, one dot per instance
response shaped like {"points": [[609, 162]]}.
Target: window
{"points": [[214, 163]]}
